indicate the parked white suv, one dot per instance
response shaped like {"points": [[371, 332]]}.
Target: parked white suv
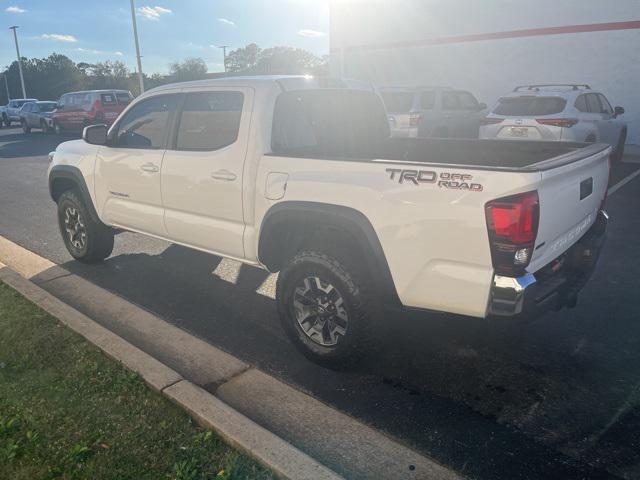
{"points": [[566, 113], [299, 176]]}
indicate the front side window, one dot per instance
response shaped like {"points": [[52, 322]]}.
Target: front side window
{"points": [[450, 101], [467, 101], [594, 103], [146, 124], [210, 120], [606, 106]]}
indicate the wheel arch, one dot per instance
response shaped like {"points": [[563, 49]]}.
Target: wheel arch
{"points": [[287, 225], [66, 177]]}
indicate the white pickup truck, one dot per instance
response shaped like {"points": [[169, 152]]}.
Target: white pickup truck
{"points": [[298, 175]]}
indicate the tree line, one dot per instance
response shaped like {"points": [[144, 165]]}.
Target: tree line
{"points": [[48, 78]]}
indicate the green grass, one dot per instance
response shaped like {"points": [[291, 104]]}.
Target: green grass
{"points": [[69, 412]]}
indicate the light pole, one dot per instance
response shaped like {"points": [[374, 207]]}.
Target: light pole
{"points": [[224, 55], [135, 37], [15, 37]]}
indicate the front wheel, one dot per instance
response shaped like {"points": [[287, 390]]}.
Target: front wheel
{"points": [[7, 122], [327, 308], [87, 240], [25, 126]]}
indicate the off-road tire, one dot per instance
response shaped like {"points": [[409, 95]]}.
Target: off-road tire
{"points": [[98, 243], [360, 302]]}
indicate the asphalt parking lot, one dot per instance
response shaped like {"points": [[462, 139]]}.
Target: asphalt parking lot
{"points": [[555, 398]]}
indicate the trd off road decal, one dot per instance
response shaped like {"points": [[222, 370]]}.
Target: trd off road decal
{"points": [[452, 181]]}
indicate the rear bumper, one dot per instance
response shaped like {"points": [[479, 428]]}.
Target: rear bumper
{"points": [[555, 286]]}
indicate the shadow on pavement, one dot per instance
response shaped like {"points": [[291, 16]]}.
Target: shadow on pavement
{"points": [[491, 402], [18, 144]]}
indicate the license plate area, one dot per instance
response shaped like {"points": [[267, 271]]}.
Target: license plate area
{"points": [[519, 132]]}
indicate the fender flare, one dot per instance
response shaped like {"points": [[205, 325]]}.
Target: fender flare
{"points": [[346, 219], [73, 175]]}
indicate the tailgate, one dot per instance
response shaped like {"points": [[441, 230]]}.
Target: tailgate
{"points": [[570, 197]]}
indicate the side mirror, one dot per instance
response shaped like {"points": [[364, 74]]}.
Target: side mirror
{"points": [[482, 106], [618, 111], [95, 134]]}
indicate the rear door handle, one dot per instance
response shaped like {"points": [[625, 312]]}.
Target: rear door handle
{"points": [[150, 167], [225, 175]]}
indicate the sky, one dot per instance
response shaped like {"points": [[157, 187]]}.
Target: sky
{"points": [[169, 30]]}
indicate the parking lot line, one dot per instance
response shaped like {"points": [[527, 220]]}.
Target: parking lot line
{"points": [[623, 182]]}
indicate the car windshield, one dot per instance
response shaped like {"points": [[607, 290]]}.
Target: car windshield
{"points": [[529, 106], [398, 102]]}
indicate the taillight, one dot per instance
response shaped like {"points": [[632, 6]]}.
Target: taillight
{"points": [[490, 121], [512, 223], [558, 122], [414, 119]]}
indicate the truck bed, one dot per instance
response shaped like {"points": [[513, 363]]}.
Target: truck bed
{"points": [[489, 154]]}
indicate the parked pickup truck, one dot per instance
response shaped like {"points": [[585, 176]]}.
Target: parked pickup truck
{"points": [[299, 176]]}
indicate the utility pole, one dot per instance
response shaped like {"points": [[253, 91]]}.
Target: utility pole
{"points": [[224, 54], [135, 37], [15, 37]]}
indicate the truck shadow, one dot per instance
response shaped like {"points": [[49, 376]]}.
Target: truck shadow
{"points": [[501, 391]]}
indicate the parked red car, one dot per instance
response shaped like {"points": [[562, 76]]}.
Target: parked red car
{"points": [[76, 110]]}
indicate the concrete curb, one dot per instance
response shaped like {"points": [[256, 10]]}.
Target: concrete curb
{"points": [[282, 458], [348, 446]]}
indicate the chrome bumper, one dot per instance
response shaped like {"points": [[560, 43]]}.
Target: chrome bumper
{"points": [[551, 287]]}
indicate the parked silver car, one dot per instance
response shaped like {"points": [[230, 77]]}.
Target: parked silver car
{"points": [[35, 115], [567, 113], [432, 112]]}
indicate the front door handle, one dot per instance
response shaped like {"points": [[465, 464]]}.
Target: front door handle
{"points": [[150, 167], [225, 175]]}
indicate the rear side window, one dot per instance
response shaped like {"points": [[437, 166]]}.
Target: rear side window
{"points": [[210, 120], [428, 100], [398, 102], [108, 99], [581, 103], [124, 98], [329, 123], [529, 106], [146, 124], [47, 107]]}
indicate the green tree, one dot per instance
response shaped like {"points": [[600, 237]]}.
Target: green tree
{"points": [[189, 69], [276, 60]]}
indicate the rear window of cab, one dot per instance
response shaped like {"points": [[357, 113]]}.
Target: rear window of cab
{"points": [[530, 105]]}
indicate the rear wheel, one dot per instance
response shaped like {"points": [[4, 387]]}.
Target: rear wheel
{"points": [[25, 126], [618, 152], [7, 122], [87, 240], [327, 308], [44, 127]]}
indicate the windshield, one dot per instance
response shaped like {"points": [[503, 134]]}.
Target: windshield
{"points": [[398, 102], [529, 106]]}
